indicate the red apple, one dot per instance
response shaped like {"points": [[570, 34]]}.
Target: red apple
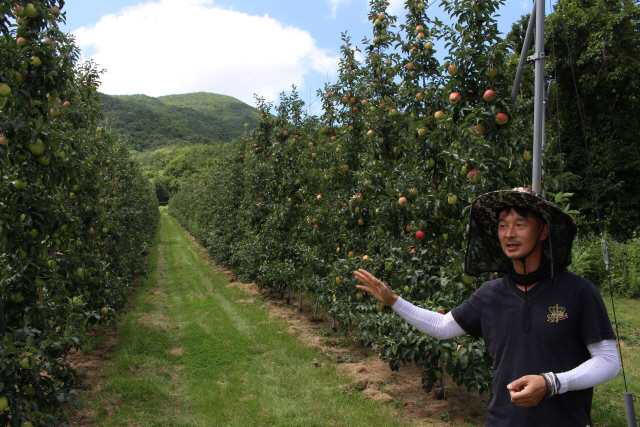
{"points": [[410, 66], [360, 222], [489, 95], [409, 227], [439, 115], [474, 176], [501, 118], [479, 129], [527, 156], [420, 235], [319, 197], [455, 97], [452, 70], [402, 201], [20, 41], [422, 132]]}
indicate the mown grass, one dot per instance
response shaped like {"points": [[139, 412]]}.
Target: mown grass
{"points": [[189, 355], [608, 402]]}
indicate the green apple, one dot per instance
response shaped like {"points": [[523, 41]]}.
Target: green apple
{"points": [[4, 403], [20, 184], [44, 160], [30, 11], [17, 297], [468, 279], [5, 89], [452, 199], [35, 61]]}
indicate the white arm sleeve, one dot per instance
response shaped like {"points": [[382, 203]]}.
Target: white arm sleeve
{"points": [[441, 326], [603, 366]]}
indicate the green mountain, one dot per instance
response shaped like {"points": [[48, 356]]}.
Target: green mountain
{"points": [[149, 123]]}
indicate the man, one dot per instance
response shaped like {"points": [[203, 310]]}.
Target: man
{"points": [[546, 329]]}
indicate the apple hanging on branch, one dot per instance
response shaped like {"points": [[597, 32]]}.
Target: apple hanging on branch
{"points": [[489, 95], [501, 119]]}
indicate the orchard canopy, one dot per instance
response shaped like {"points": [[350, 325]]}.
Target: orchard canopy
{"points": [[76, 215]]}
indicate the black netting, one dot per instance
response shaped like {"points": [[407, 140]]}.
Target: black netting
{"points": [[484, 252]]}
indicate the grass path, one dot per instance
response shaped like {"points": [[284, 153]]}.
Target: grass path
{"points": [[190, 355]]}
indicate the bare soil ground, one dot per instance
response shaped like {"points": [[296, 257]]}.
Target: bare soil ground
{"points": [[363, 371]]}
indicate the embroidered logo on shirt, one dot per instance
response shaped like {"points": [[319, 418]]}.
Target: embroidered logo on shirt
{"points": [[557, 314]]}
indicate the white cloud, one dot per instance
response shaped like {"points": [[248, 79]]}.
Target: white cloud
{"points": [[396, 7], [181, 46], [334, 6]]}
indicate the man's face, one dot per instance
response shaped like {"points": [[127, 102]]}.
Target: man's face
{"points": [[518, 235]]}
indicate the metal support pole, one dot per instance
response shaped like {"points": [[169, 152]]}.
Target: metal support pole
{"points": [[631, 413], [523, 55], [538, 113]]}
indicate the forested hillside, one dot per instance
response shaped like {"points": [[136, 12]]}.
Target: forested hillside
{"points": [[168, 168], [148, 123]]}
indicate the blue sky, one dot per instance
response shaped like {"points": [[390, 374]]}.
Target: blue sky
{"points": [[231, 47]]}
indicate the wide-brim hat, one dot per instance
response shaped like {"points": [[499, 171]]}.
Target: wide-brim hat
{"points": [[484, 252]]}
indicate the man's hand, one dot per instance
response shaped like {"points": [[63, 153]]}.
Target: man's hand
{"points": [[375, 287], [535, 389]]}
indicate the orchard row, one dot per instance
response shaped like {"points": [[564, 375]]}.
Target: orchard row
{"points": [[76, 215], [382, 180]]}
